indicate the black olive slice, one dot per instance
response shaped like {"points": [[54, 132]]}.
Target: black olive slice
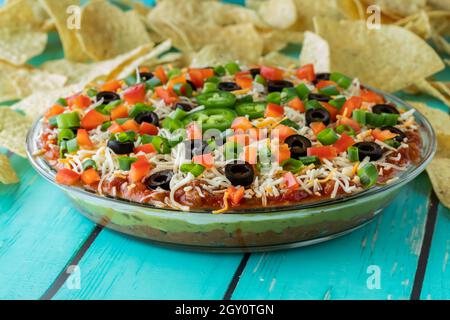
{"points": [[147, 116], [194, 147], [121, 147], [159, 179], [145, 76], [255, 71], [193, 86], [369, 149], [239, 173], [318, 97], [298, 145], [322, 76], [107, 96], [228, 86], [278, 85], [384, 108], [184, 106], [317, 115], [401, 135]]}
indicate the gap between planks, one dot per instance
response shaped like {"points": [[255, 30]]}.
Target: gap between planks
{"points": [[426, 246], [63, 275], [236, 277]]}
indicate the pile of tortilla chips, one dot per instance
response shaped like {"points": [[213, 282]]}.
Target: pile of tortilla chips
{"points": [[385, 43]]}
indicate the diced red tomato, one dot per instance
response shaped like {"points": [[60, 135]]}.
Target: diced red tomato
{"points": [[326, 152], [67, 177], [112, 85], [241, 123], [144, 69], [206, 160], [244, 79], [350, 105], [235, 195], [90, 176], [135, 94], [290, 181], [79, 101], [198, 76], [249, 154], [281, 152], [148, 128], [115, 128], [350, 122], [119, 112], [344, 142], [193, 131], [316, 127], [174, 80], [271, 73], [282, 132], [296, 104], [331, 110], [325, 83], [160, 73], [274, 111], [83, 139], [54, 111], [130, 125], [139, 170], [370, 96], [383, 135], [146, 148], [168, 95], [93, 119], [306, 73]]}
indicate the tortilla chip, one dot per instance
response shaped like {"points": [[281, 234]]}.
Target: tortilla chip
{"points": [[278, 14], [441, 43], [38, 103], [398, 8], [439, 173], [213, 54], [278, 59], [19, 82], [441, 125], [276, 40], [7, 173], [425, 86], [331, 9], [13, 130], [315, 50], [106, 31], [439, 4], [21, 37], [386, 58], [242, 41], [439, 168], [224, 14], [58, 11], [418, 23], [139, 61], [83, 73]]}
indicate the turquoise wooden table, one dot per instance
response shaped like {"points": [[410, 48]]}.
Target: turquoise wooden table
{"points": [[49, 251]]}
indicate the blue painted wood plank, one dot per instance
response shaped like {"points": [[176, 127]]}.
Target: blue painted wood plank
{"points": [[436, 285], [121, 267], [39, 233], [341, 269]]}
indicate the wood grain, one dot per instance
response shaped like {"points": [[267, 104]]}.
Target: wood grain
{"points": [[40, 231], [340, 269], [121, 267]]}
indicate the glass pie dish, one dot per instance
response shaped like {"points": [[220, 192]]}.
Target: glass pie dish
{"points": [[257, 229]]}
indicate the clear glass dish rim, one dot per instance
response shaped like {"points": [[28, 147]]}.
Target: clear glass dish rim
{"points": [[46, 171]]}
